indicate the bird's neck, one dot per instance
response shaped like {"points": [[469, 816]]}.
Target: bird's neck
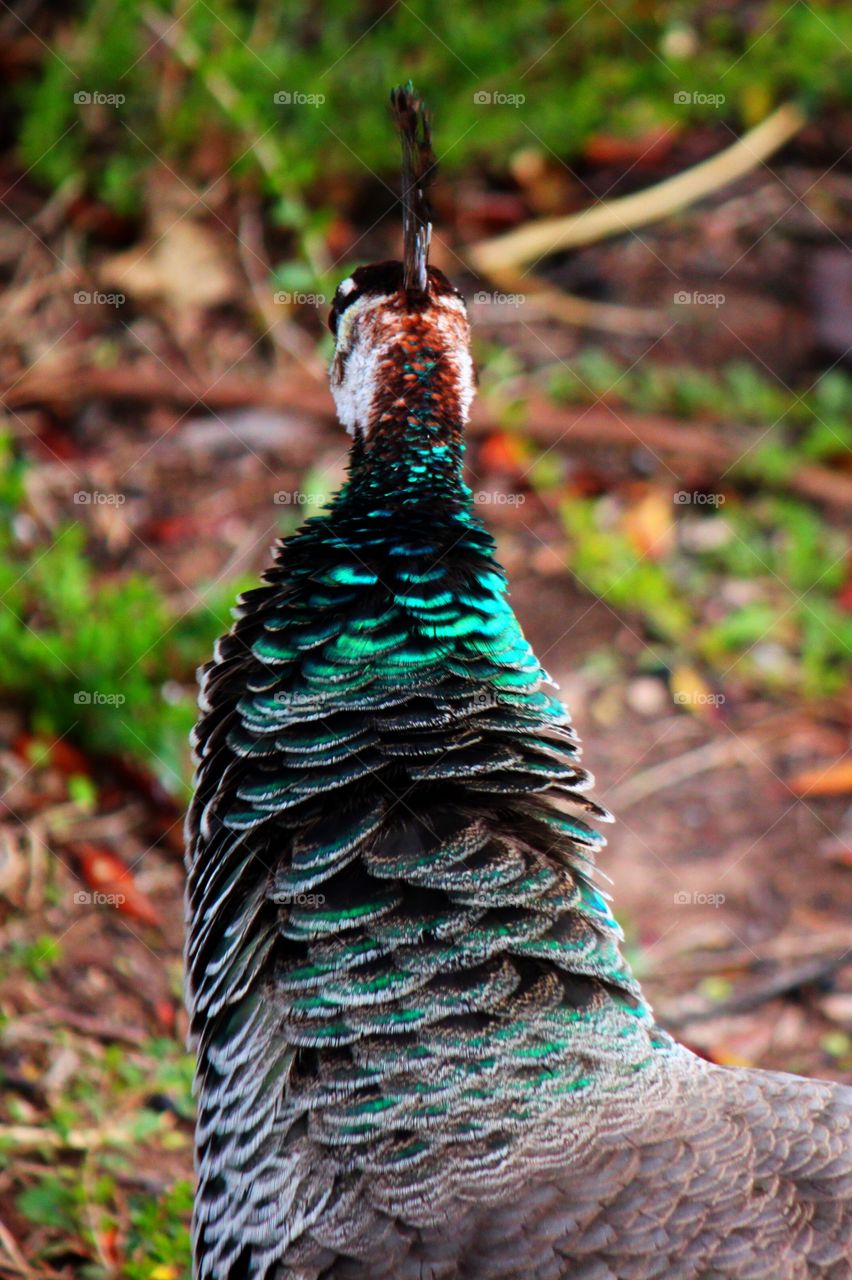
{"points": [[413, 386], [413, 456]]}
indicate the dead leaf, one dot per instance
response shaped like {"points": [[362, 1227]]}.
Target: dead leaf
{"points": [[111, 879], [503, 452], [824, 780], [649, 525], [184, 265], [692, 692]]}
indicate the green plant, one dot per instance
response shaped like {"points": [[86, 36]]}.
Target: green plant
{"points": [[99, 656], [158, 1240], [814, 425], [788, 634], [618, 72], [155, 1245]]}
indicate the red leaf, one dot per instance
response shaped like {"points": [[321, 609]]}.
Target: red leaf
{"points": [[112, 883], [62, 755], [502, 452]]}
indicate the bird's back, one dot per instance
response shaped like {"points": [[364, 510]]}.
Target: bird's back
{"points": [[739, 1174]]}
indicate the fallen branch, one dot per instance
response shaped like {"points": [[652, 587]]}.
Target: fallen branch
{"points": [[689, 963], [570, 309], [780, 984], [546, 423], [31, 1137], [716, 754], [502, 260], [553, 235]]}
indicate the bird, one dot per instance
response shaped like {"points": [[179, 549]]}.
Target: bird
{"points": [[421, 1051]]}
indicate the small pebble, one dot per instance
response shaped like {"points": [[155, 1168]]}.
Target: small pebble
{"points": [[647, 696]]}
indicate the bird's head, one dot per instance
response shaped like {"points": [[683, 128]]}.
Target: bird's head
{"points": [[402, 354]]}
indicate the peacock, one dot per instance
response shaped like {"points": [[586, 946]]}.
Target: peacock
{"points": [[421, 1052]]}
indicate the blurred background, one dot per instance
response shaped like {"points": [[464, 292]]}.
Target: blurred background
{"points": [[648, 209]]}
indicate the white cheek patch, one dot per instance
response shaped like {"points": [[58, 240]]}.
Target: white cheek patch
{"points": [[355, 393], [346, 286], [359, 354]]}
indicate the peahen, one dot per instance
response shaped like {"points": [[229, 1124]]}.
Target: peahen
{"points": [[421, 1053]]}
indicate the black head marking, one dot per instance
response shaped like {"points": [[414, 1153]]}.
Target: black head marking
{"points": [[380, 279]]}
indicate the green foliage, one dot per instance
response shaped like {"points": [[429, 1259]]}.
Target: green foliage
{"points": [[50, 1202], [156, 1244], [158, 1241], [786, 634], [35, 958], [739, 392], [815, 425], [605, 561], [108, 1098], [102, 658], [614, 68]]}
